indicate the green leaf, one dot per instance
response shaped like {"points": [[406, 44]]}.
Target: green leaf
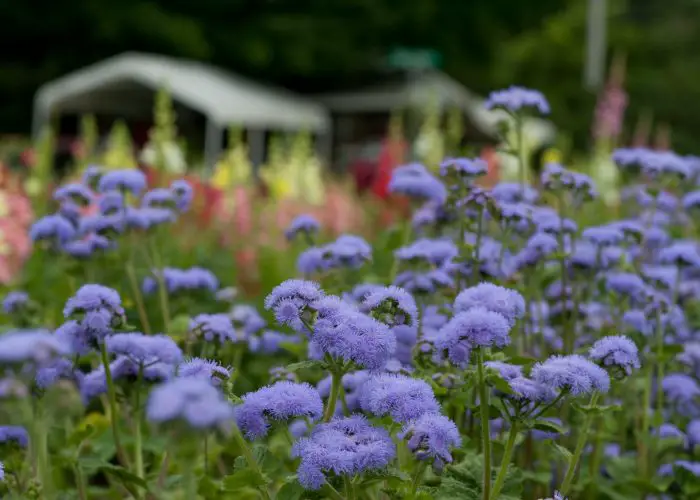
{"points": [[244, 478], [208, 488], [393, 477], [499, 383], [547, 426], [562, 452], [304, 365], [124, 476], [521, 360], [291, 490]]}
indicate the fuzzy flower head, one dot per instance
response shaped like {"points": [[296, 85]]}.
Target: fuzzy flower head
{"points": [[347, 251], [98, 310], [131, 180], [192, 401], [617, 352], [513, 192], [436, 252], [280, 401], [290, 299], [76, 193], [343, 447], [206, 369], [13, 436], [33, 347], [213, 327], [518, 99], [416, 182], [391, 305], [465, 168], [430, 437], [504, 301], [476, 327], [53, 229], [401, 397], [572, 373], [184, 194], [354, 337], [144, 349], [604, 235], [303, 224], [14, 302]]}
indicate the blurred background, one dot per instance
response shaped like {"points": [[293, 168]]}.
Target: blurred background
{"points": [[277, 107]]}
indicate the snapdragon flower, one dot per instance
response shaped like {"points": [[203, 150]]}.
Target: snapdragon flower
{"points": [[401, 397], [280, 401], [343, 447]]}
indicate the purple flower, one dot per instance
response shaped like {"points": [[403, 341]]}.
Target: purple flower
{"points": [[628, 284], [76, 338], [463, 167], [680, 388], [247, 318], [354, 337], [207, 369], [682, 254], [280, 401], [305, 224], [401, 397], [213, 327], [125, 370], [513, 192], [76, 193], [177, 280], [572, 373], [342, 447], [184, 194], [14, 435], [692, 430], [30, 346], [111, 203], [505, 370], [313, 260], [603, 235], [193, 401], [474, 328], [91, 176], [53, 228], [144, 349], [347, 250], [271, 342], [504, 301], [526, 390], [616, 351], [539, 435], [691, 200], [99, 308], [667, 469], [424, 282], [131, 180], [516, 99], [391, 305], [434, 252], [668, 431], [148, 217], [59, 369], [414, 181], [158, 197], [14, 302], [86, 247], [431, 436], [301, 292]]}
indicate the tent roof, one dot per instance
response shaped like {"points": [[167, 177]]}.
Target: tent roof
{"points": [[422, 89], [223, 97]]}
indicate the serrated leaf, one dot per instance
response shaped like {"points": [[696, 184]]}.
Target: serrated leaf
{"points": [[499, 383]]}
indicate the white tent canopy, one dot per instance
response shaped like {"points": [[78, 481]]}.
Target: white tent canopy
{"points": [[116, 86]]}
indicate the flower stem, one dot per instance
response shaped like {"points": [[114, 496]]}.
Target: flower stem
{"points": [[135, 289], [138, 440], [583, 436], [485, 430], [418, 476], [112, 398], [336, 379], [405, 238], [476, 267], [162, 291], [521, 152], [249, 457], [645, 431], [41, 450], [332, 492], [505, 461]]}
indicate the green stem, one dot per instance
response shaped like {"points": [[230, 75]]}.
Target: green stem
{"points": [[332, 492], [485, 431], [595, 461], [237, 360], [505, 461], [658, 416], [41, 449], [135, 289], [80, 482], [249, 457], [191, 481], [645, 430], [476, 268], [336, 380], [112, 398], [138, 440], [162, 291], [521, 152], [405, 238], [418, 476], [582, 437]]}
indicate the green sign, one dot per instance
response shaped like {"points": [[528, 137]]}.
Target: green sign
{"points": [[404, 58]]}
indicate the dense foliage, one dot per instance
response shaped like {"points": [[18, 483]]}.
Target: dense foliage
{"points": [[507, 348]]}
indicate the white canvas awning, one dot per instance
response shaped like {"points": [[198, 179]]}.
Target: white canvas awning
{"points": [[117, 85]]}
